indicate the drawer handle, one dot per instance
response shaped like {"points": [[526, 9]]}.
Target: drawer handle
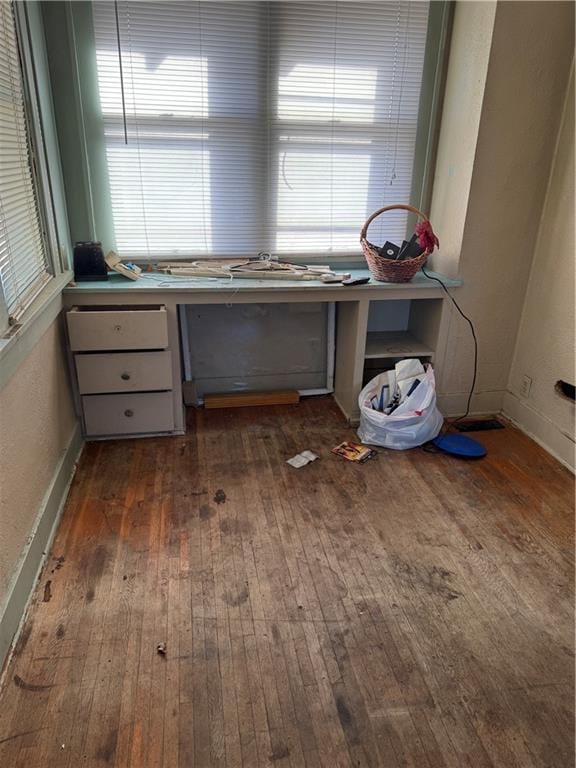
{"points": [[128, 412], [125, 377]]}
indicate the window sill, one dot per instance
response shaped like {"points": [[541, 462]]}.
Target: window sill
{"points": [[15, 347]]}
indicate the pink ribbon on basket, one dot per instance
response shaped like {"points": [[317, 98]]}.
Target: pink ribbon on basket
{"points": [[426, 237]]}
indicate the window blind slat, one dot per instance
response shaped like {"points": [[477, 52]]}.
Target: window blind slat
{"points": [[23, 257], [251, 126]]}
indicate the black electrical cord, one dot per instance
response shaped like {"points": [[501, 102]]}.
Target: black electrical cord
{"points": [[471, 324]]}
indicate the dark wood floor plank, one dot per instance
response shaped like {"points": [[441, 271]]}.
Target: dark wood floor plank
{"points": [[413, 611], [249, 695]]}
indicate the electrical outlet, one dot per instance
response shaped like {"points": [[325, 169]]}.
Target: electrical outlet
{"points": [[525, 386]]}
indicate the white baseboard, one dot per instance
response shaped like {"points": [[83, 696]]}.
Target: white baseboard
{"points": [[540, 429], [31, 560], [483, 403]]}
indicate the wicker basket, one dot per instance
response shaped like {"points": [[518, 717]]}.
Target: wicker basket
{"points": [[388, 270]]}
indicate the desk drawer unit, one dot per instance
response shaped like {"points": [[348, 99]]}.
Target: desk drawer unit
{"points": [[123, 369], [105, 328], [128, 414], [123, 372]]}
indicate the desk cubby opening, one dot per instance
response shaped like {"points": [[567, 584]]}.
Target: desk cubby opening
{"points": [[398, 330]]}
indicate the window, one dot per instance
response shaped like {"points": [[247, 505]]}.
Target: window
{"points": [[24, 265], [234, 128]]}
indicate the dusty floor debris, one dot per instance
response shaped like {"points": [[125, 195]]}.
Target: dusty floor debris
{"points": [[301, 459]]}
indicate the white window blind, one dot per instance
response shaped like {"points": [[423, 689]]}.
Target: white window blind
{"points": [[23, 257], [236, 127]]}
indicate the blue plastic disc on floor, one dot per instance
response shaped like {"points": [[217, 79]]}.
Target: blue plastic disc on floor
{"points": [[460, 445]]}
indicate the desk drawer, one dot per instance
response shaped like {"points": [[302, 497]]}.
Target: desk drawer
{"points": [[107, 328], [128, 414], [124, 372]]}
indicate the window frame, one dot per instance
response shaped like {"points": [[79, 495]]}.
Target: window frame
{"points": [[94, 207], [56, 263], [18, 339]]}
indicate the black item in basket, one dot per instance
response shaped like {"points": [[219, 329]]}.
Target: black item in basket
{"points": [[411, 250], [389, 250]]}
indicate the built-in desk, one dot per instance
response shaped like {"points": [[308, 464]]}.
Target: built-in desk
{"points": [[424, 337]]}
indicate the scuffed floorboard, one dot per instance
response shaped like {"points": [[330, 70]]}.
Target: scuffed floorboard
{"points": [[413, 611]]}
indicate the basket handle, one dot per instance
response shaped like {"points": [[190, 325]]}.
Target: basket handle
{"points": [[402, 206]]}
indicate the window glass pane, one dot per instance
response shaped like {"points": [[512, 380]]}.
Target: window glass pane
{"points": [[258, 126], [23, 256]]}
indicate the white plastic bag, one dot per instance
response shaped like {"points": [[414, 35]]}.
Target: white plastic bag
{"points": [[413, 423]]}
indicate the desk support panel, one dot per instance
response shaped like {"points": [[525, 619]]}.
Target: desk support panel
{"points": [[352, 325]]}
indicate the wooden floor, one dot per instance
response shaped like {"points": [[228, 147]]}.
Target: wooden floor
{"points": [[413, 611]]}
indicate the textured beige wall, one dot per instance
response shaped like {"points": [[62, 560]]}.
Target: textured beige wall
{"points": [[36, 424], [464, 93], [545, 344], [487, 216]]}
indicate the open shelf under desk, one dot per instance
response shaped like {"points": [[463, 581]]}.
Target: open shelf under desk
{"points": [[383, 344]]}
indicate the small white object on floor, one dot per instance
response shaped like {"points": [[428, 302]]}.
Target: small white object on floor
{"points": [[301, 459]]}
